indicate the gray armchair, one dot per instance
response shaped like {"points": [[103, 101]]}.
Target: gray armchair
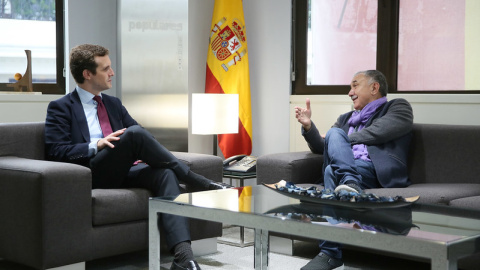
{"points": [[51, 217], [443, 169], [443, 166], [297, 167]]}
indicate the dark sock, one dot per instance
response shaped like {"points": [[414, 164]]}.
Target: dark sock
{"points": [[183, 253]]}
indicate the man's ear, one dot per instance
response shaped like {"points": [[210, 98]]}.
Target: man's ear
{"points": [[86, 74], [375, 88]]}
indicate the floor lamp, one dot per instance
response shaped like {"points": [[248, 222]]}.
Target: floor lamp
{"points": [[214, 114]]}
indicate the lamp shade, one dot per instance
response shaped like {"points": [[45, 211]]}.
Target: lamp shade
{"points": [[214, 113]]}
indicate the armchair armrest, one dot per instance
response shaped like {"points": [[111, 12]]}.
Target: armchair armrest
{"points": [[46, 212], [209, 166], [297, 167]]}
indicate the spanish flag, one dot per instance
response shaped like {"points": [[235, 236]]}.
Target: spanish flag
{"points": [[227, 71]]}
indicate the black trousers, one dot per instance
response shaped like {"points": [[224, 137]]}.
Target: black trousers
{"points": [[112, 168]]}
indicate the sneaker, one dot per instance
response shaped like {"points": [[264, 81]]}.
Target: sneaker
{"points": [[323, 262], [350, 187]]}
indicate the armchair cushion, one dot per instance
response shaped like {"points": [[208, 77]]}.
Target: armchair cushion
{"points": [[107, 209], [432, 193], [468, 202]]}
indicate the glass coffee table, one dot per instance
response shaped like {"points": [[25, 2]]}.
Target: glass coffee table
{"points": [[437, 233]]}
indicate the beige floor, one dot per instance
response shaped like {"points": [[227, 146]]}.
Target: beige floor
{"points": [[229, 257], [236, 258]]}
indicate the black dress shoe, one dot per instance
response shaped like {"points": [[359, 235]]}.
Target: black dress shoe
{"points": [[192, 265], [218, 185]]}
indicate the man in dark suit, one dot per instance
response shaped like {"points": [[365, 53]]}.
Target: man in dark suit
{"points": [[114, 151]]}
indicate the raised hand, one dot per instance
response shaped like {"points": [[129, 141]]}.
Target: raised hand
{"points": [[303, 115]]}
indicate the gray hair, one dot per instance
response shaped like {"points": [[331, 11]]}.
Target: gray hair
{"points": [[376, 76]]}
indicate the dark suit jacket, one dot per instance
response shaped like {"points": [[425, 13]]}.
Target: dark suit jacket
{"points": [[66, 130]]}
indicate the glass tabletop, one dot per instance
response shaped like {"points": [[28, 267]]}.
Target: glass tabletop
{"points": [[416, 221]]}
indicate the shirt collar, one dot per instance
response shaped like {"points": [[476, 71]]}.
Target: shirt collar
{"points": [[85, 96]]}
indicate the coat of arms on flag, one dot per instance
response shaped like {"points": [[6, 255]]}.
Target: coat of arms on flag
{"points": [[227, 42]]}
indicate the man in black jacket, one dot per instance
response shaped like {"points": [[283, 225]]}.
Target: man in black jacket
{"points": [[365, 148]]}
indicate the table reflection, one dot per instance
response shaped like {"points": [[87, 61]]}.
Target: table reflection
{"points": [[397, 221]]}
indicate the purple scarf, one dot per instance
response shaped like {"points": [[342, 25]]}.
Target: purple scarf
{"points": [[357, 122]]}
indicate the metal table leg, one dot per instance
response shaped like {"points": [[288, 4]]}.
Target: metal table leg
{"points": [[154, 240], [261, 249], [443, 264], [239, 183]]}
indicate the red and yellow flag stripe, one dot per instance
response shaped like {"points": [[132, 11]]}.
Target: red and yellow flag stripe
{"points": [[228, 71]]}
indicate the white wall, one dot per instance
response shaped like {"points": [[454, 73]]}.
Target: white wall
{"points": [[95, 22], [268, 30], [199, 19], [24, 107]]}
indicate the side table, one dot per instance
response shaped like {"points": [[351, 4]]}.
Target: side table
{"points": [[240, 182], [239, 177]]}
